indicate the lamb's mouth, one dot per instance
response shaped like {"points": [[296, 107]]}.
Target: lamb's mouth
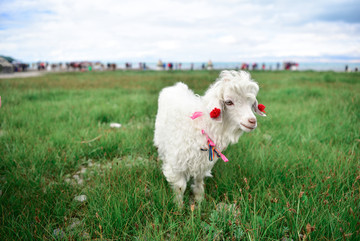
{"points": [[248, 127]]}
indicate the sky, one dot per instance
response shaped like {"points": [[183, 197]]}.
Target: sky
{"points": [[180, 30]]}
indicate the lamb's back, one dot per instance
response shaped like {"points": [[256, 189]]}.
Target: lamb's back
{"points": [[175, 106], [177, 136]]}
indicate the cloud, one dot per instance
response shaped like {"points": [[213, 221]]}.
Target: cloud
{"points": [[347, 12], [185, 30], [228, 39]]}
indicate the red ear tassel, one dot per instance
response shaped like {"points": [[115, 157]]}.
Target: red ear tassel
{"points": [[215, 113], [261, 107]]}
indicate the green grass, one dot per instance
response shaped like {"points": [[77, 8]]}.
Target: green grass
{"points": [[299, 169]]}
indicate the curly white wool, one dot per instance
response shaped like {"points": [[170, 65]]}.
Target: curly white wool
{"points": [[179, 138]]}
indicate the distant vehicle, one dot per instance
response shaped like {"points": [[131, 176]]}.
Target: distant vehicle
{"points": [[291, 66]]}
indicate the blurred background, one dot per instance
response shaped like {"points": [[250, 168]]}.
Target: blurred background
{"points": [[53, 35]]}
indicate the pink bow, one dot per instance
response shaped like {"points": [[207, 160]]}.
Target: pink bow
{"points": [[196, 115]]}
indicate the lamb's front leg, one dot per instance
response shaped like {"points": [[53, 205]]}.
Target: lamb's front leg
{"points": [[198, 188], [177, 180], [179, 189]]}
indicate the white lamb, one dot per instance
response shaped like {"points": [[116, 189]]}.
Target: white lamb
{"points": [[189, 140]]}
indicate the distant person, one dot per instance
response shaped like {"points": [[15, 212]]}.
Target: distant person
{"points": [[346, 68], [254, 66], [192, 66], [210, 65], [277, 66], [159, 65], [356, 69], [288, 66], [203, 66], [263, 66], [170, 66]]}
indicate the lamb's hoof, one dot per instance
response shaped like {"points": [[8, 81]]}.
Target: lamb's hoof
{"points": [[198, 198], [179, 204]]}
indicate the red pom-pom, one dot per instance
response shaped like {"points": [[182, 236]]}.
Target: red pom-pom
{"points": [[261, 107], [215, 113]]}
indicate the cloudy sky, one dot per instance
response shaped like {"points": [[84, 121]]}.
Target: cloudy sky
{"points": [[181, 30]]}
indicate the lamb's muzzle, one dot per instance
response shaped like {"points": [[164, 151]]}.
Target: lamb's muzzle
{"points": [[252, 121], [179, 138], [248, 127]]}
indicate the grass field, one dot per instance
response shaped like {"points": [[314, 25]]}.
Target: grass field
{"points": [[296, 177]]}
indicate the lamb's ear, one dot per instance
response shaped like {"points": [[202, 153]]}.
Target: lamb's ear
{"points": [[256, 109], [216, 104]]}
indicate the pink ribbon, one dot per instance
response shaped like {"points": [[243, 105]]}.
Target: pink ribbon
{"points": [[196, 115], [223, 157], [211, 143], [208, 138]]}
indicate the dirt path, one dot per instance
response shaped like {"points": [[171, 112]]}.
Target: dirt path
{"points": [[21, 75]]}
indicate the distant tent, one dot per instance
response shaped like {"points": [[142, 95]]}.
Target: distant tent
{"points": [[5, 66], [9, 59]]}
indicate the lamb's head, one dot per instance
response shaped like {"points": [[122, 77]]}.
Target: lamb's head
{"points": [[234, 93]]}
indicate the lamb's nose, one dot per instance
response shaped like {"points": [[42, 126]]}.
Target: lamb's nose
{"points": [[252, 121]]}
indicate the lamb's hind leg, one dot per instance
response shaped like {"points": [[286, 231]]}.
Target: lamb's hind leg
{"points": [[198, 188]]}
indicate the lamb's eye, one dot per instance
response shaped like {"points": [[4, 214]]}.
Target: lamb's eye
{"points": [[229, 102]]}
